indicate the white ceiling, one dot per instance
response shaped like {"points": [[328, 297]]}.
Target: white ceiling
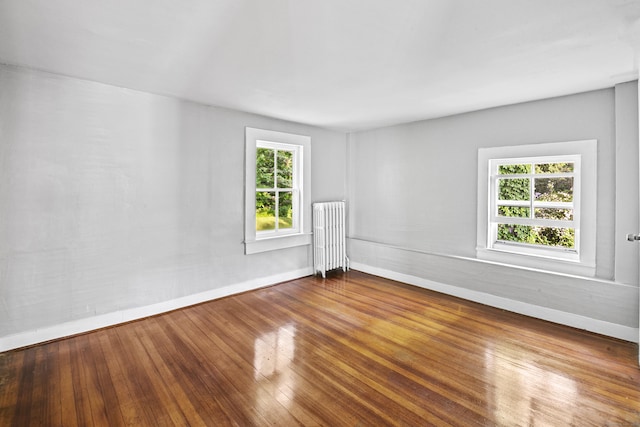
{"points": [[342, 64]]}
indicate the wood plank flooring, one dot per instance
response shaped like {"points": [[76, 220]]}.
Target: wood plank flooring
{"points": [[351, 350]]}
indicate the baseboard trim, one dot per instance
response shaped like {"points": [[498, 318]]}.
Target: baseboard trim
{"points": [[40, 335], [569, 319]]}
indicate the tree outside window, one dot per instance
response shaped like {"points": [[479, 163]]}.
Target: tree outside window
{"points": [[543, 194], [275, 188]]}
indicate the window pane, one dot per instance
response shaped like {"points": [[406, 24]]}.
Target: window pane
{"points": [[285, 169], [265, 210], [512, 211], [554, 189], [544, 236], [285, 210], [554, 168], [514, 169], [552, 213], [264, 167], [514, 233], [513, 189], [552, 236]]}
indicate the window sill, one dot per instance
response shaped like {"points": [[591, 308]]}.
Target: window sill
{"points": [[266, 244], [537, 261]]}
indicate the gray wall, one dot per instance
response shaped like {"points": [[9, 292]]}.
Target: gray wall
{"points": [[412, 192], [112, 199]]}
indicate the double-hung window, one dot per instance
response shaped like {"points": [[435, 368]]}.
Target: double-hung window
{"points": [[277, 190], [537, 206]]}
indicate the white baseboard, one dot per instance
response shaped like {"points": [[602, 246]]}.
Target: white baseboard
{"points": [[569, 319], [79, 326]]}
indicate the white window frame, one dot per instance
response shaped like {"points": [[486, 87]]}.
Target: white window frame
{"points": [[581, 259], [300, 234]]}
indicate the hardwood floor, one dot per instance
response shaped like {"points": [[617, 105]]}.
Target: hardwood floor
{"points": [[353, 350]]}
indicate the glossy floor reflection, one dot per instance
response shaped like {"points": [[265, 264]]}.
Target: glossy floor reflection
{"points": [[522, 392], [352, 350], [273, 353]]}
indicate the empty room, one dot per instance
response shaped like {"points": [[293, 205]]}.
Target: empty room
{"points": [[319, 213]]}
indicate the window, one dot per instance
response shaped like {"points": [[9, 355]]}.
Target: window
{"points": [[537, 205], [533, 205], [277, 188], [277, 173]]}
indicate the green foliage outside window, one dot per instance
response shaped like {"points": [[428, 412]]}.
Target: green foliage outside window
{"points": [[556, 189], [514, 169], [514, 189], [274, 171], [264, 168], [554, 168], [547, 236], [513, 211]]}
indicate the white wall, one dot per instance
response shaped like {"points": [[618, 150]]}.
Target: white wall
{"points": [[113, 199], [627, 191], [116, 204], [412, 191]]}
